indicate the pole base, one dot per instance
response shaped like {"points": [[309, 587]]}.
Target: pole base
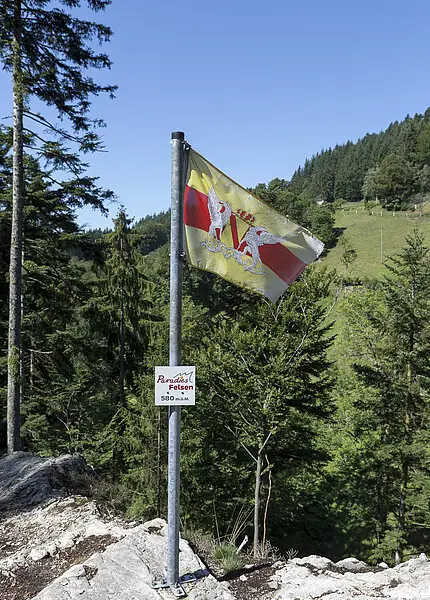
{"points": [[176, 588]]}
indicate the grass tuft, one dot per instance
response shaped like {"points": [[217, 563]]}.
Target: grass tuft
{"points": [[227, 557]]}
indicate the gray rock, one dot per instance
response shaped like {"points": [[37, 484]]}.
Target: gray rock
{"points": [[66, 541], [38, 553], [409, 581], [49, 528], [52, 549], [314, 562], [127, 569], [353, 565], [27, 480]]}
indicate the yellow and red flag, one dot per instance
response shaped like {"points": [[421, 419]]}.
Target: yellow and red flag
{"points": [[228, 231]]}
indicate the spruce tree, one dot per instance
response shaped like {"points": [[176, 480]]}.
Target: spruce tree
{"points": [[55, 346], [390, 336], [123, 308], [126, 299], [48, 51]]}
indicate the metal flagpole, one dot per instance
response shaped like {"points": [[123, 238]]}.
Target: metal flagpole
{"points": [[176, 249]]}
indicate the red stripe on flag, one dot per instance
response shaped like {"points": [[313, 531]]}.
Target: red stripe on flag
{"points": [[282, 261], [234, 234], [196, 211], [277, 257]]}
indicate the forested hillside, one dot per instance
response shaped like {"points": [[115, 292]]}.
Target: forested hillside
{"points": [[333, 419], [392, 166]]}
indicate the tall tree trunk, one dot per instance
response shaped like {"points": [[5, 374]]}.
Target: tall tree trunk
{"points": [[401, 521], [266, 508], [22, 350], [121, 352], [15, 271], [257, 501], [31, 370], [118, 449]]}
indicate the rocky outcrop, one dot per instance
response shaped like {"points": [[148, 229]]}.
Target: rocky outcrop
{"points": [[44, 530], [51, 528], [27, 480], [314, 577], [57, 546], [128, 569]]}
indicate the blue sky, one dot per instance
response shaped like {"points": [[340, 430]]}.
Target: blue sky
{"points": [[257, 87]]}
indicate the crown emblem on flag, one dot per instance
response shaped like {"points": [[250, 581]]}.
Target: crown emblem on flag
{"points": [[245, 216]]}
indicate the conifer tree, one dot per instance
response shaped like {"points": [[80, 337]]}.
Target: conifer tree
{"points": [[47, 50], [391, 341], [124, 306], [264, 384], [54, 340], [126, 298]]}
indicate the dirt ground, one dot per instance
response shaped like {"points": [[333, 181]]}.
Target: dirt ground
{"points": [[251, 585], [248, 583], [25, 583]]}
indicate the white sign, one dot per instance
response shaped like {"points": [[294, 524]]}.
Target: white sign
{"points": [[175, 386]]}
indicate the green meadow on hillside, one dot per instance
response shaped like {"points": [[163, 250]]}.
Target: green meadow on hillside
{"points": [[375, 235]]}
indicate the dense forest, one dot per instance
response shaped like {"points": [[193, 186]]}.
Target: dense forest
{"points": [[336, 415], [392, 167]]}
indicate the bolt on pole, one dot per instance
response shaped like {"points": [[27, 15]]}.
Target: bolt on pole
{"points": [[176, 248]]}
